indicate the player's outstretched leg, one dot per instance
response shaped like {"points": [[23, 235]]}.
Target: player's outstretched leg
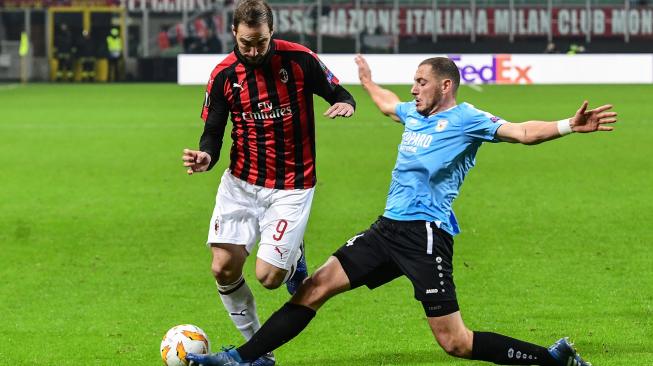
{"points": [[301, 272], [565, 353], [504, 350], [228, 357], [265, 360], [458, 341]]}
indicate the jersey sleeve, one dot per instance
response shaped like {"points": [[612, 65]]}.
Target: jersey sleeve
{"points": [[481, 125], [215, 113], [325, 84], [402, 109], [214, 95]]}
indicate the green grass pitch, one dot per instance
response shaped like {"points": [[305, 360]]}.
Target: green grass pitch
{"points": [[102, 232]]}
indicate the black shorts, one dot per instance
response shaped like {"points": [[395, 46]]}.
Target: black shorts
{"points": [[417, 249]]}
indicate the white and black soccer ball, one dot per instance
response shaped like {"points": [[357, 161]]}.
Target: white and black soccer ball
{"points": [[181, 340]]}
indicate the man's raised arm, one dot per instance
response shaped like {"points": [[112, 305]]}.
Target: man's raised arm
{"points": [[384, 99]]}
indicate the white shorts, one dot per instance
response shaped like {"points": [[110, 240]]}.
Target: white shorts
{"points": [[245, 213]]}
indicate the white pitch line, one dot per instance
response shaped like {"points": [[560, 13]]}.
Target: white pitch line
{"points": [[9, 87], [475, 87]]}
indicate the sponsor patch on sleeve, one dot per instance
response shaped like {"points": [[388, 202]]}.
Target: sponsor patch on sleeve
{"points": [[332, 79]]}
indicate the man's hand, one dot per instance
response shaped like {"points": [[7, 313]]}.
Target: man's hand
{"points": [[340, 109], [364, 72], [384, 99], [196, 161], [593, 120]]}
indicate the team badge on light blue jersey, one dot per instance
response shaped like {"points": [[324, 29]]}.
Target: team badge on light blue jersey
{"points": [[441, 125], [435, 154]]}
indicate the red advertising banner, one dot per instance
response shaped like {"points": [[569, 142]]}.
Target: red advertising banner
{"points": [[50, 3], [158, 6], [461, 21]]}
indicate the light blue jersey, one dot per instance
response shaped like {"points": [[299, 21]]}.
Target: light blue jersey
{"points": [[435, 154]]}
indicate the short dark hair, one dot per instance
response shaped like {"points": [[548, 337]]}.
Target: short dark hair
{"points": [[253, 13], [444, 68]]}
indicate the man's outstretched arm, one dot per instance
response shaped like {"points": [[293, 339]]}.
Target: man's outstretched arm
{"points": [[384, 99], [535, 132]]}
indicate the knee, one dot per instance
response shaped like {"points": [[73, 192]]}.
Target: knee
{"points": [[319, 281], [272, 278], [315, 289], [224, 273], [457, 345]]}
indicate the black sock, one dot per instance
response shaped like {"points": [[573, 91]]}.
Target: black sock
{"points": [[283, 325], [504, 350]]}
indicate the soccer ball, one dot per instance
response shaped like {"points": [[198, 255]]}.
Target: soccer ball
{"points": [[181, 340]]}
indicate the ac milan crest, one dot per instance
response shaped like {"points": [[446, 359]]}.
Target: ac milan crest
{"points": [[283, 74]]}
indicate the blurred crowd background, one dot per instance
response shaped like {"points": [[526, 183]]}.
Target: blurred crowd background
{"points": [[125, 40]]}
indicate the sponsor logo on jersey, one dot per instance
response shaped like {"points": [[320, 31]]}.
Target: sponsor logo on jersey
{"points": [[266, 110], [265, 106], [281, 252], [412, 140]]}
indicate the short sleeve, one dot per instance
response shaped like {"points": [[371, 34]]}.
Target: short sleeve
{"points": [[481, 125], [402, 109]]}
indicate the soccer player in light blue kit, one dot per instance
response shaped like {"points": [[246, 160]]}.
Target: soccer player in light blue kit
{"points": [[414, 237]]}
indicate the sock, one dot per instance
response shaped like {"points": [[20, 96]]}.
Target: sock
{"points": [[504, 350], [283, 325], [239, 302]]}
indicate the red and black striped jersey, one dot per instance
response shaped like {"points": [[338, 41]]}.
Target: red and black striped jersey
{"points": [[271, 107]]}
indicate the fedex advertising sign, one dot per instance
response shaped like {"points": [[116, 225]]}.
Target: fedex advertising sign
{"points": [[474, 68], [492, 69]]}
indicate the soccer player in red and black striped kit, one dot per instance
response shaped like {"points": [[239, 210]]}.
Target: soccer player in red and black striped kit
{"points": [[267, 86]]}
